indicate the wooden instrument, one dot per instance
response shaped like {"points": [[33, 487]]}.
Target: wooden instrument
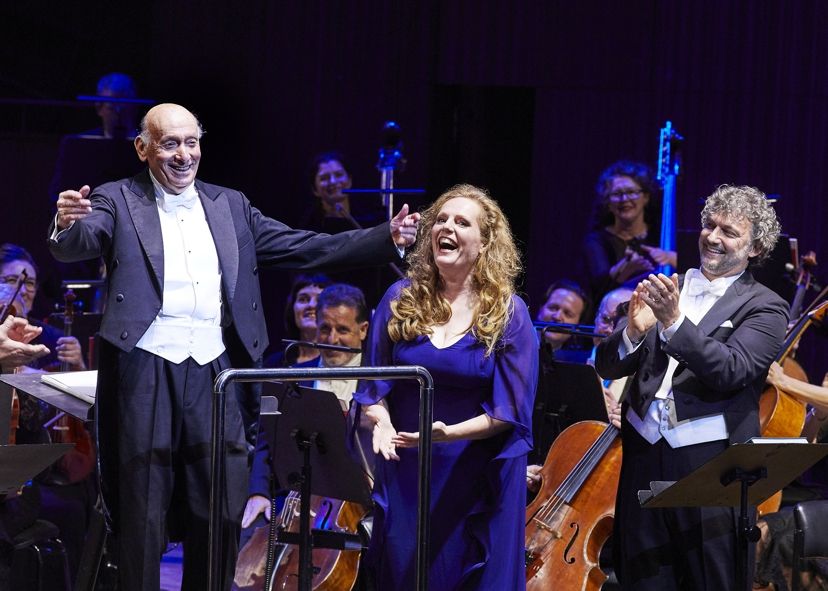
{"points": [[803, 267], [7, 308], [334, 570], [572, 515], [669, 164], [78, 463], [780, 414], [68, 318]]}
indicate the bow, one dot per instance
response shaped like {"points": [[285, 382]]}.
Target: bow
{"points": [[186, 199], [699, 285]]}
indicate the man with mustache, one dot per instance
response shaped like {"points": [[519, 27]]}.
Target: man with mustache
{"points": [[699, 350], [183, 259]]}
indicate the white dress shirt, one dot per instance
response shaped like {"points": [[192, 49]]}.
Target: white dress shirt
{"points": [[344, 389], [189, 323], [697, 296]]}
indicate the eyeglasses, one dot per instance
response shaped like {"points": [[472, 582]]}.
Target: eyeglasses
{"points": [[628, 195], [30, 283], [606, 319]]}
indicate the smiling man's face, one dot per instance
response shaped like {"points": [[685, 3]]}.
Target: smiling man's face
{"points": [[173, 150], [725, 246]]}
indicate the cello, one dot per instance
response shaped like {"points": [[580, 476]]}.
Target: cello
{"points": [[572, 514], [334, 570], [780, 413]]}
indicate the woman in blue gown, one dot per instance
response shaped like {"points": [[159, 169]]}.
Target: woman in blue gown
{"points": [[456, 314]]}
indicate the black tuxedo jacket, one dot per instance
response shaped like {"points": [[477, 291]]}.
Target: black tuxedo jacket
{"points": [[124, 228], [723, 361]]}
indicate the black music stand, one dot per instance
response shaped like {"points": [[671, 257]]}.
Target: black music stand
{"points": [[21, 463], [743, 475], [31, 384], [311, 440], [567, 394]]}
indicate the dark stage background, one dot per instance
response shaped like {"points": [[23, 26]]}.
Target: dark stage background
{"points": [[531, 99]]}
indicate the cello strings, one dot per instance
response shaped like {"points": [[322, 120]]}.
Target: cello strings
{"points": [[579, 472], [567, 486], [551, 505]]}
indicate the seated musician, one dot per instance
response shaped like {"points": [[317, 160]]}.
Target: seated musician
{"points": [[330, 210], [774, 549], [66, 492], [17, 512], [566, 302], [621, 248], [341, 319], [13, 261], [300, 321]]}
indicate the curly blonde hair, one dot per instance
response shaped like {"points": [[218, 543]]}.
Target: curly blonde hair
{"points": [[420, 304]]}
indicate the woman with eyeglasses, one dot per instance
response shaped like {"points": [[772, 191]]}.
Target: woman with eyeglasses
{"points": [[13, 261], [622, 246]]}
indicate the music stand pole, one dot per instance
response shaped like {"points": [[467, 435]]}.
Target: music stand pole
{"points": [[746, 532], [306, 545]]}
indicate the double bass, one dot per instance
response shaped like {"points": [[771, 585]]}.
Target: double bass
{"points": [[669, 165]]}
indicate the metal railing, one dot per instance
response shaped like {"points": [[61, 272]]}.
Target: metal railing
{"points": [[217, 492]]}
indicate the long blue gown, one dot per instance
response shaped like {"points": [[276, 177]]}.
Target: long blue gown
{"points": [[478, 488]]}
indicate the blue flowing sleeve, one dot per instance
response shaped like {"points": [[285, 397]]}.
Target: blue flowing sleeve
{"points": [[380, 350], [515, 380]]}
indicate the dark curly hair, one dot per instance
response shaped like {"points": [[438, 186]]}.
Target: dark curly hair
{"points": [[643, 177]]}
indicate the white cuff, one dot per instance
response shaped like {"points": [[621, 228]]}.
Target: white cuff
{"points": [[667, 333], [57, 232]]}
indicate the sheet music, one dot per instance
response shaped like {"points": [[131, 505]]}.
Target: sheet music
{"points": [[80, 384]]}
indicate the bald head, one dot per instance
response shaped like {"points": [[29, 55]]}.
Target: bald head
{"points": [[169, 143]]}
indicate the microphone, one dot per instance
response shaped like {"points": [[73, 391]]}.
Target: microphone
{"points": [[390, 152], [391, 134]]}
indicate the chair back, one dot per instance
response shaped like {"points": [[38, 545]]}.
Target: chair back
{"points": [[810, 523]]}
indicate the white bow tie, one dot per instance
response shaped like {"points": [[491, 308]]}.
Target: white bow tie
{"points": [[186, 199], [698, 285]]}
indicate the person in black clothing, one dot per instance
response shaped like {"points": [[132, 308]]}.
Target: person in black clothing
{"points": [[622, 248]]}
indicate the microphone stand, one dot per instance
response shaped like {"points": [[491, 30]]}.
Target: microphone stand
{"points": [[311, 345], [578, 330], [390, 159]]}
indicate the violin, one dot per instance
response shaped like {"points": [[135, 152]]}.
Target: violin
{"points": [[573, 513], [334, 570], [7, 309]]}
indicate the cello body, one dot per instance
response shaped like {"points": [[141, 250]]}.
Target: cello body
{"points": [[335, 570], [572, 515]]}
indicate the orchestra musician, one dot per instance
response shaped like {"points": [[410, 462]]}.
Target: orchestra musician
{"points": [[621, 247], [341, 317], [774, 550], [183, 259], [17, 512], [699, 350]]}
